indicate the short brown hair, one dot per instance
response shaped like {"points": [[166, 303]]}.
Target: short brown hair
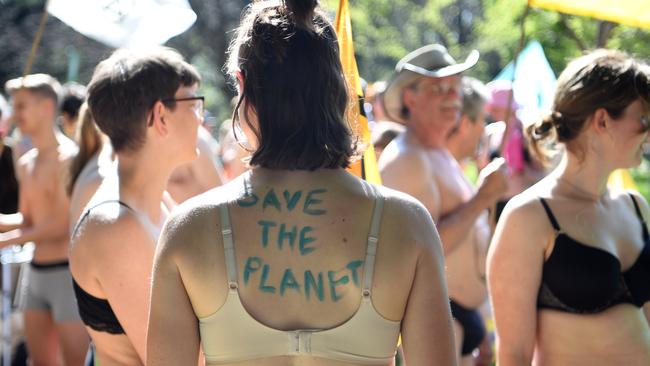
{"points": [[125, 87], [601, 79], [41, 84]]}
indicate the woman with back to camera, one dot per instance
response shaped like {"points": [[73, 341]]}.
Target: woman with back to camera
{"points": [[146, 104], [297, 261], [569, 266]]}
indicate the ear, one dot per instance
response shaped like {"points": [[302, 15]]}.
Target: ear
{"points": [[156, 119], [408, 97], [601, 121], [240, 81]]}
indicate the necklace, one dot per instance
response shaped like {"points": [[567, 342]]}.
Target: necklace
{"points": [[581, 191]]}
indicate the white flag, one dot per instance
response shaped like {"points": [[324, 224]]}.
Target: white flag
{"points": [[125, 23]]}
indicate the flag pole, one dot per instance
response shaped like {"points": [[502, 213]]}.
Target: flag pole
{"points": [[37, 40], [511, 95]]}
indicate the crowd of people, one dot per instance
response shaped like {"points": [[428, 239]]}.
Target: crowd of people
{"points": [[156, 244]]}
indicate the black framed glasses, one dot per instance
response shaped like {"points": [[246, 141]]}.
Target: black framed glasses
{"points": [[198, 107]]}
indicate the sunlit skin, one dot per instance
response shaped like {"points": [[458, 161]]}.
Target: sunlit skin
{"points": [[267, 261], [418, 163], [110, 233], [42, 173], [591, 213]]}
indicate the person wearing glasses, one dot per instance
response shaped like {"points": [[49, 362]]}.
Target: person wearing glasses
{"points": [[146, 104], [297, 260], [425, 95], [569, 265]]}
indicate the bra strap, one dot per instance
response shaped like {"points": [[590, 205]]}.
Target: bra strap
{"points": [[371, 249], [228, 246], [87, 212], [550, 215], [640, 215]]}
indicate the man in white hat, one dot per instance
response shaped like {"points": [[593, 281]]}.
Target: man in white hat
{"points": [[425, 95]]}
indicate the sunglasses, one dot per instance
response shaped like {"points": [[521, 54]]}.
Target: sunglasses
{"points": [[441, 87]]}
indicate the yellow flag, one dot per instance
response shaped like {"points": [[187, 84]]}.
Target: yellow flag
{"points": [[366, 167], [635, 13], [621, 178]]}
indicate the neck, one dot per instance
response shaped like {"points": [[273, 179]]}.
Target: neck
{"points": [[44, 138], [586, 179], [142, 182], [428, 139], [456, 149]]}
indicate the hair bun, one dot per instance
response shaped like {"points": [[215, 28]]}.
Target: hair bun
{"points": [[543, 128], [302, 10]]}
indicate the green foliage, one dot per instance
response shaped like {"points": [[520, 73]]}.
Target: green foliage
{"points": [[641, 177], [384, 31]]}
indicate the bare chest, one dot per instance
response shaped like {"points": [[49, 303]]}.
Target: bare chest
{"points": [[453, 187], [43, 180]]}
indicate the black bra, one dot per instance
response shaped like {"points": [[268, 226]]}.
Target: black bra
{"points": [[582, 279], [96, 313]]}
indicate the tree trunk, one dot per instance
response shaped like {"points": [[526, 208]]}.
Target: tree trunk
{"points": [[604, 32]]}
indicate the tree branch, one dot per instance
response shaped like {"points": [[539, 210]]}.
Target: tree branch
{"points": [[571, 33], [604, 32]]}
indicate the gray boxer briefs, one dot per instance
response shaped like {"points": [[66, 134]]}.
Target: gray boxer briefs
{"points": [[48, 287]]}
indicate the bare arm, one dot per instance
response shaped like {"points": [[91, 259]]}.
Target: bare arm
{"points": [[173, 333], [514, 273], [54, 228], [10, 222], [455, 225], [427, 332]]}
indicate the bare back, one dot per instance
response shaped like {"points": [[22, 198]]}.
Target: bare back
{"points": [[300, 241]]}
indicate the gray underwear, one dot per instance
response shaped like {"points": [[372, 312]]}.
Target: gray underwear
{"points": [[48, 287]]}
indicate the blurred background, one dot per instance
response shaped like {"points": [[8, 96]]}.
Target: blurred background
{"points": [[384, 31]]}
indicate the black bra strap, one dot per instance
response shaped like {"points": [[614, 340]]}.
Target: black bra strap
{"points": [[85, 214], [550, 215], [640, 215]]}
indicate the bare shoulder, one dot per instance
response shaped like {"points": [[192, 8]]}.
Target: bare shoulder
{"points": [[196, 220], [400, 152], [525, 206], [408, 215], [111, 230], [524, 218], [624, 196], [401, 202]]}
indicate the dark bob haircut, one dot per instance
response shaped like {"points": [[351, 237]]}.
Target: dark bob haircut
{"points": [[288, 54]]}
